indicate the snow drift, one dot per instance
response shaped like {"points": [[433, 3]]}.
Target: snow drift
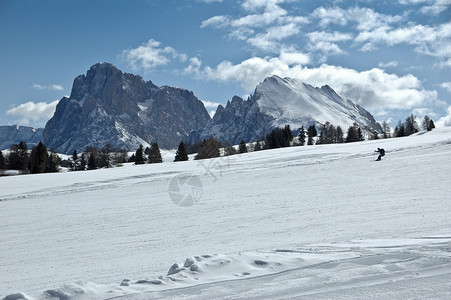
{"points": [[315, 221]]}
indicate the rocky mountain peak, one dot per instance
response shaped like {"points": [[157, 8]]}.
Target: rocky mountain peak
{"points": [[283, 101], [109, 106]]}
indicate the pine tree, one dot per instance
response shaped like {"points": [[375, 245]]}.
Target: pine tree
{"points": [[120, 156], [208, 149], [18, 157], [354, 134], [431, 125], [327, 134], [287, 136], [400, 130], [92, 161], [147, 151], [360, 136], [302, 136], [53, 161], [139, 156], [411, 125], [38, 159], [104, 156], [75, 156], [82, 166], [279, 137], [2, 161], [427, 124], [155, 154], [242, 148], [258, 146], [386, 130], [311, 133], [229, 150], [182, 153], [339, 135]]}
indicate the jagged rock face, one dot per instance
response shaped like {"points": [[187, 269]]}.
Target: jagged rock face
{"points": [[238, 120], [108, 106], [15, 134], [278, 102]]}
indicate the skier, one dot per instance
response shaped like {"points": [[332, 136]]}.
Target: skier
{"points": [[381, 153]]}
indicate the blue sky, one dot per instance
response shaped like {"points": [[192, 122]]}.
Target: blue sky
{"points": [[391, 57]]}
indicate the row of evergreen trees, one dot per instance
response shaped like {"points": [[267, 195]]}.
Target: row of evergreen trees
{"points": [[97, 158], [283, 137], [39, 160], [150, 155], [329, 134], [410, 126]]}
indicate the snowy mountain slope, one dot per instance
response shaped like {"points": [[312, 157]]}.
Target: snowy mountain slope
{"points": [[315, 222], [293, 102], [277, 102]]}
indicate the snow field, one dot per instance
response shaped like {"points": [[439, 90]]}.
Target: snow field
{"points": [[320, 222]]}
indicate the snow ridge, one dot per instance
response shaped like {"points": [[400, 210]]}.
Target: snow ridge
{"points": [[283, 101]]}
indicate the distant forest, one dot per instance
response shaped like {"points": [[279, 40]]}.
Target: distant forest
{"points": [[40, 160]]}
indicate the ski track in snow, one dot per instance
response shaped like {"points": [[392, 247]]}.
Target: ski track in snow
{"points": [[303, 222]]}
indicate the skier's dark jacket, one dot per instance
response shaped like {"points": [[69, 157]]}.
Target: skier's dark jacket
{"points": [[381, 151]]}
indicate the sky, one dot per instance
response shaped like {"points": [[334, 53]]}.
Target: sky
{"points": [[391, 57]]}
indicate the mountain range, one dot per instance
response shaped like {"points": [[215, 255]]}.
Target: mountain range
{"points": [[14, 134], [283, 101], [109, 106]]}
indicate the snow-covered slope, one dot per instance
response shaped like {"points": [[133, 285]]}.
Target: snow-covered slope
{"points": [[277, 102], [296, 103], [316, 222]]}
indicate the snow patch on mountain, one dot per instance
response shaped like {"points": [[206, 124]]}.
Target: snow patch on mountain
{"points": [[296, 103], [283, 101]]}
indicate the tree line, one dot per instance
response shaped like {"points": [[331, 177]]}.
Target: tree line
{"points": [[40, 160], [410, 126]]}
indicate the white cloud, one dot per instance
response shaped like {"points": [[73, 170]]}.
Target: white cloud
{"points": [[393, 63], [150, 55], [326, 47], [209, 104], [269, 40], [324, 42], [324, 36], [55, 87], [31, 111], [374, 89], [431, 7], [252, 5], [430, 40], [216, 21], [293, 57], [446, 120], [253, 70], [364, 18], [194, 67], [446, 86], [264, 24]]}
